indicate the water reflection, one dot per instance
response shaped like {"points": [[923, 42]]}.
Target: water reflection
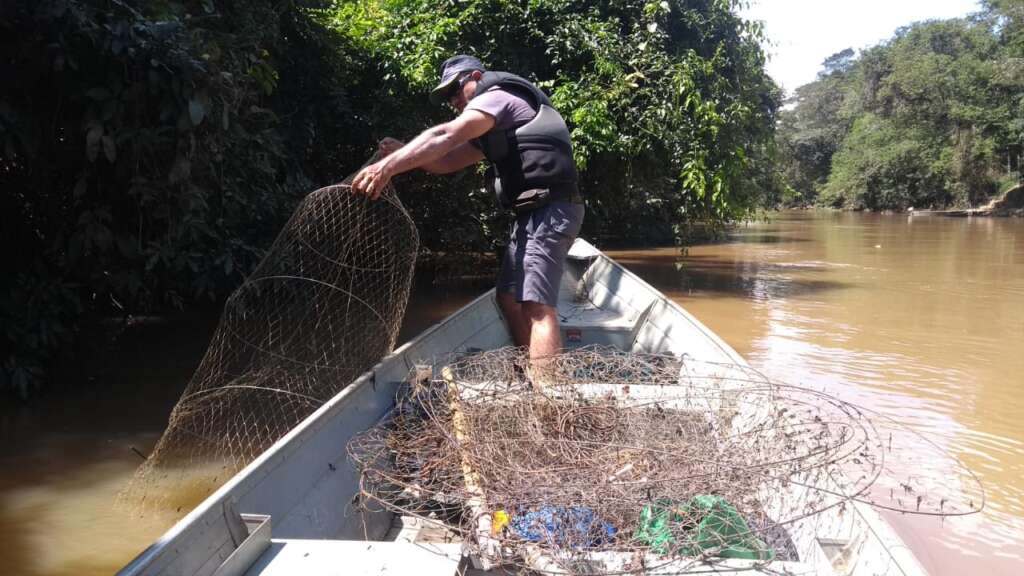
{"points": [[920, 318], [63, 522]]}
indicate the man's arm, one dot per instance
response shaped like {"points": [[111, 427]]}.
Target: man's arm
{"points": [[443, 148], [463, 155]]}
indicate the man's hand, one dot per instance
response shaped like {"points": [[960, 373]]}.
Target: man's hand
{"points": [[443, 148], [372, 180]]}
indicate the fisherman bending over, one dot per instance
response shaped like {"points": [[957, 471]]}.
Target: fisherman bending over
{"points": [[512, 124]]}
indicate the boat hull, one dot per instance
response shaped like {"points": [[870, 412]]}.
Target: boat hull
{"points": [[302, 488]]}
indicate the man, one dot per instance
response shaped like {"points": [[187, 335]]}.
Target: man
{"points": [[512, 124]]}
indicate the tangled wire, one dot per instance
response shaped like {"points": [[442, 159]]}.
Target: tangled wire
{"points": [[621, 462]]}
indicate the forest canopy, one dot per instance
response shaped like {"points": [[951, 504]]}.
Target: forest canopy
{"points": [[931, 118]]}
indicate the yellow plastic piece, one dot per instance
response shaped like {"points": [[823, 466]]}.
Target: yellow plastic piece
{"points": [[498, 522]]}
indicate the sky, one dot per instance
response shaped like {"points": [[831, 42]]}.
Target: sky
{"points": [[802, 33]]}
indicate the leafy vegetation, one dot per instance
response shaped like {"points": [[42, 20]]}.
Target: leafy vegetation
{"points": [[153, 148], [150, 151], [932, 118], [670, 109]]}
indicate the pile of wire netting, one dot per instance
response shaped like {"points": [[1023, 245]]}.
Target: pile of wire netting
{"points": [[615, 462], [322, 307]]}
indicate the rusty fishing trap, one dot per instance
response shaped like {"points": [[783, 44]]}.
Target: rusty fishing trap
{"points": [[323, 306], [609, 462]]}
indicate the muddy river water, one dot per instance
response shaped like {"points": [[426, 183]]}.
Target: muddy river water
{"points": [[921, 318]]}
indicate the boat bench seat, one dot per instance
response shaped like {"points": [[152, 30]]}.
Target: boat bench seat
{"points": [[599, 303], [585, 324]]}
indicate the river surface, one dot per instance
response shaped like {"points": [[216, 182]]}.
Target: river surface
{"points": [[920, 318]]}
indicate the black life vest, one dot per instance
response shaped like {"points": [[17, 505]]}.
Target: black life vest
{"points": [[536, 155]]}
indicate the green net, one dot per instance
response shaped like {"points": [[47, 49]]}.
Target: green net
{"points": [[666, 526]]}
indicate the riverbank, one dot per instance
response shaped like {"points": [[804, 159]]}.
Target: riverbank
{"points": [[1008, 204]]}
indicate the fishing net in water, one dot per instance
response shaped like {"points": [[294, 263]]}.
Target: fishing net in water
{"points": [[322, 307], [628, 463]]}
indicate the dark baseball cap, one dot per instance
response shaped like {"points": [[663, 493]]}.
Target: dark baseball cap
{"points": [[450, 71]]}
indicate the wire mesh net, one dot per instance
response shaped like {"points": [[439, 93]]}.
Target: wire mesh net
{"points": [[322, 307], [624, 462]]}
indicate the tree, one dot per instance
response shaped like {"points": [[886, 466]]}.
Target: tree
{"points": [[839, 63], [929, 118], [810, 132]]}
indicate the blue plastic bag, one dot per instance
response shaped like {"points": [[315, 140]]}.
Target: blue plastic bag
{"points": [[577, 526]]}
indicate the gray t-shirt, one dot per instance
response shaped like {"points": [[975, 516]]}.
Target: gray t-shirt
{"points": [[509, 109]]}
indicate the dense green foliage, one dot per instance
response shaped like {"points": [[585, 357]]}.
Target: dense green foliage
{"points": [[933, 117], [150, 151], [152, 148], [670, 110]]}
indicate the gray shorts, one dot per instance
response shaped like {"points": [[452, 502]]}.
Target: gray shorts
{"points": [[535, 258]]}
